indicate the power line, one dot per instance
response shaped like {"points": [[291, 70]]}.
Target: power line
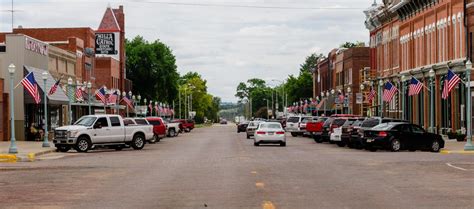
{"points": [[249, 6]]}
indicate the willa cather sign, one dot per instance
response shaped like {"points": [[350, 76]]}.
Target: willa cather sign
{"points": [[105, 43]]}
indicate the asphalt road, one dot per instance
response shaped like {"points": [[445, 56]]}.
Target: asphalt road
{"points": [[218, 168]]}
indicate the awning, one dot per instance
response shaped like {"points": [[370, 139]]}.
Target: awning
{"points": [[58, 98]]}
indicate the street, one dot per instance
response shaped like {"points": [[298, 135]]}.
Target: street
{"points": [[217, 168]]}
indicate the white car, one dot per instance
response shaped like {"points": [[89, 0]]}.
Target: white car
{"points": [[270, 133], [335, 136], [296, 125]]}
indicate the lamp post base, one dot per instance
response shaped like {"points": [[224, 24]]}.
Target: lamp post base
{"points": [[46, 144], [12, 149], [469, 146]]}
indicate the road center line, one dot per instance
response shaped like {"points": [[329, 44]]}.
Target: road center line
{"points": [[449, 164], [259, 184], [268, 205]]}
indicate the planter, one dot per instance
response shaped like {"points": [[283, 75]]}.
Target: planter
{"points": [[461, 137], [452, 135]]}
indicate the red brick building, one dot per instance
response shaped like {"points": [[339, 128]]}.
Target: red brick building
{"points": [[411, 39]]}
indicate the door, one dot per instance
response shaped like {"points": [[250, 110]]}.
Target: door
{"points": [[100, 130], [117, 132], [419, 136], [406, 136]]}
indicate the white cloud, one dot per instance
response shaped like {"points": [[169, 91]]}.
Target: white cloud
{"points": [[226, 45]]}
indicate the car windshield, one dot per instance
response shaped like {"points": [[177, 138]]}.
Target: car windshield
{"points": [[383, 127], [339, 122], [370, 123], [293, 120], [306, 119], [328, 122], [85, 121], [270, 126]]}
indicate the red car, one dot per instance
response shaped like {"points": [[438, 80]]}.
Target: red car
{"points": [[159, 127], [315, 127], [186, 125]]}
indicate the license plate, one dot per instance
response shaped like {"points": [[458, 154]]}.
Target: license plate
{"points": [[270, 133]]}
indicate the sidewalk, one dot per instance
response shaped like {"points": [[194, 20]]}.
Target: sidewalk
{"points": [[27, 151], [454, 147]]}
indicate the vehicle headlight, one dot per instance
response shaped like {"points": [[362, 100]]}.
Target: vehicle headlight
{"points": [[72, 134]]}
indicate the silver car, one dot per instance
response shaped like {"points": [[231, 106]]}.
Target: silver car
{"points": [[251, 128], [270, 133]]}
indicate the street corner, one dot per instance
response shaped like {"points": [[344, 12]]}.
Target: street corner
{"points": [[463, 152], [8, 158]]}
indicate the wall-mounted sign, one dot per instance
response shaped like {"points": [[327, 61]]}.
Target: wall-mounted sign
{"points": [[105, 43], [36, 46]]}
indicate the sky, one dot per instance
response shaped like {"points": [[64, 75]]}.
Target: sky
{"points": [[226, 41]]}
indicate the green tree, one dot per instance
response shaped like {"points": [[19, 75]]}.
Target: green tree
{"points": [[352, 44], [301, 86], [152, 69]]}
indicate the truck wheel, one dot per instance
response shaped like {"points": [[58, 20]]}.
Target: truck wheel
{"points": [[62, 148], [154, 139], [83, 144], [138, 142], [171, 133], [176, 133], [317, 139]]}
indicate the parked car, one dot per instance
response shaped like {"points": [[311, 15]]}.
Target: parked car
{"points": [[159, 128], [315, 127], [223, 122], [348, 129], [270, 133], [397, 136], [336, 135], [172, 128], [100, 130], [296, 125], [253, 125], [242, 126], [140, 122], [186, 125], [356, 139], [330, 124]]}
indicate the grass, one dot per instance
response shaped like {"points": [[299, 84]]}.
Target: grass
{"points": [[203, 125]]}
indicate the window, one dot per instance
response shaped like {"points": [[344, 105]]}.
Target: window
{"points": [[417, 129], [115, 121], [155, 122], [141, 121], [127, 122], [103, 122]]}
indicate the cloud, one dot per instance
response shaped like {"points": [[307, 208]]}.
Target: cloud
{"points": [[227, 45]]}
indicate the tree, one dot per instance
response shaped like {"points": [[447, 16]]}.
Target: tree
{"points": [[255, 89], [301, 86], [352, 45], [152, 69]]}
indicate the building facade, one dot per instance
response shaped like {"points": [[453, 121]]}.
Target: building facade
{"points": [[421, 39]]}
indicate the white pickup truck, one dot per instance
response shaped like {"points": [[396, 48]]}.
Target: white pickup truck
{"points": [[101, 130]]}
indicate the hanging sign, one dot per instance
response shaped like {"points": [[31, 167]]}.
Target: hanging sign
{"points": [[105, 43]]}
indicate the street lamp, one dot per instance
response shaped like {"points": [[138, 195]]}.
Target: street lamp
{"points": [[12, 149], [89, 86], [146, 108], [124, 94], [468, 145], [139, 97], [45, 140], [380, 98], [117, 111], [349, 99], [332, 93], [403, 78], [432, 75], [69, 85], [362, 87]]}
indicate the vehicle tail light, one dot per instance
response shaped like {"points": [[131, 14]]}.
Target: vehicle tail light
{"points": [[383, 134], [280, 133], [260, 132]]}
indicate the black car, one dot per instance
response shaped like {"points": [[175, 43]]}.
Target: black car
{"points": [[398, 136], [347, 129], [242, 127], [329, 125], [356, 140]]}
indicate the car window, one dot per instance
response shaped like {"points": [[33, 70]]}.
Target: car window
{"points": [[328, 122], [416, 129], [339, 122], [103, 122], [155, 122], [270, 125], [306, 119], [370, 123], [128, 122], [383, 127], [141, 121], [293, 120], [115, 121]]}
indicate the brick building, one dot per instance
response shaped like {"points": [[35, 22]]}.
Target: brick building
{"points": [[340, 71], [411, 39]]}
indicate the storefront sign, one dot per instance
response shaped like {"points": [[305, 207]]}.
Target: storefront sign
{"points": [[359, 98], [105, 43], [36, 46]]}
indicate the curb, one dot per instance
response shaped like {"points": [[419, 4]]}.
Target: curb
{"points": [[457, 152], [30, 157]]}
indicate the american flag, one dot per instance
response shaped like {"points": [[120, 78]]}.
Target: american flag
{"points": [[150, 106], [371, 95], [101, 95], [128, 101], [31, 86], [113, 98], [79, 96], [53, 88], [415, 87], [389, 91], [157, 108], [450, 82]]}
